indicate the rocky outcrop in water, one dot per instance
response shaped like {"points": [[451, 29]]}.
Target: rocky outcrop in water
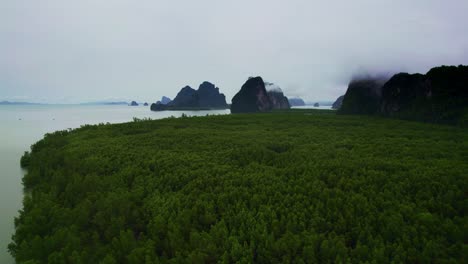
{"points": [[187, 97], [206, 97], [158, 106], [296, 102], [252, 97], [278, 100], [209, 96], [165, 100], [133, 103]]}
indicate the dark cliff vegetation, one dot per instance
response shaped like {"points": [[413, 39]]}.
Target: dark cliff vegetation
{"points": [[254, 97], [206, 97], [277, 98], [300, 186], [440, 96], [363, 96], [337, 104], [251, 98]]}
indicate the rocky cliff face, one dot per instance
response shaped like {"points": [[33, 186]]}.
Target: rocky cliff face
{"points": [[296, 102], [158, 106], [363, 96], [252, 97], [337, 104], [165, 100], [402, 91], [258, 96], [440, 96], [278, 100], [207, 96], [187, 97]]}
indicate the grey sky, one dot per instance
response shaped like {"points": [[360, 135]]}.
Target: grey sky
{"points": [[85, 50]]}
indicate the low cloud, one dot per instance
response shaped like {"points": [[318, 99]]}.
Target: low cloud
{"points": [[93, 50]]}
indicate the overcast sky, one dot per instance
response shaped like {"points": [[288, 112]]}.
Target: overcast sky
{"points": [[87, 50]]}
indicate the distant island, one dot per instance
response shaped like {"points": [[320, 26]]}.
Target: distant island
{"points": [[205, 98], [324, 103], [18, 103], [296, 102], [105, 103], [254, 97]]}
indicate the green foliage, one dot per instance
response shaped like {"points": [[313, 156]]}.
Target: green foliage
{"points": [[24, 162], [362, 97], [297, 186], [136, 119]]}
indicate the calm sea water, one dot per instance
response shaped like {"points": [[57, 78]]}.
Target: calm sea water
{"points": [[21, 126], [327, 107]]}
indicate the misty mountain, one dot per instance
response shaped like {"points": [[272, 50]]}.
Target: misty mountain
{"points": [[439, 96], [296, 102]]}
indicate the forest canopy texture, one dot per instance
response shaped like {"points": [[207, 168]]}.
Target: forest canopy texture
{"points": [[299, 186]]}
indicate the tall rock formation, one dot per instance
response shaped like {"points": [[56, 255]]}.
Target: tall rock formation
{"points": [[252, 97], [439, 96], [277, 98], [209, 96], [363, 96], [404, 91], [206, 97], [337, 104], [187, 97]]}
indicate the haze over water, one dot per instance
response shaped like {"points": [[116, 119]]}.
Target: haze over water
{"points": [[23, 125]]}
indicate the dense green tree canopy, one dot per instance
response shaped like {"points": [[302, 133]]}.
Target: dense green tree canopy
{"points": [[286, 187]]}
